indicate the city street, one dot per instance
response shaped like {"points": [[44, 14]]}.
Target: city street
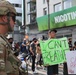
{"points": [[41, 71], [39, 36]]}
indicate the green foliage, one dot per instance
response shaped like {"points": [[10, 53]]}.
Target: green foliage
{"points": [[18, 22]]}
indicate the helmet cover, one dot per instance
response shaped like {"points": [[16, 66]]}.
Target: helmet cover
{"points": [[6, 7]]}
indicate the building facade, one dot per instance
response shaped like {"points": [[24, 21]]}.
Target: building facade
{"points": [[31, 26], [31, 23], [18, 6], [57, 8]]}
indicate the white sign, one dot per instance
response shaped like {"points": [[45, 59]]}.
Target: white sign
{"points": [[71, 62], [65, 17]]}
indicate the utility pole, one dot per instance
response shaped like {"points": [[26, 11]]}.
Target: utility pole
{"points": [[23, 16], [48, 15]]}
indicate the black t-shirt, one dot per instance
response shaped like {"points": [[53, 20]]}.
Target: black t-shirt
{"points": [[33, 47]]}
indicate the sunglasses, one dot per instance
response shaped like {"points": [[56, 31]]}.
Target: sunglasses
{"points": [[12, 15], [14, 18]]}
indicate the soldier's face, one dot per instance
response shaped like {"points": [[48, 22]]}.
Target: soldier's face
{"points": [[12, 21], [9, 21]]}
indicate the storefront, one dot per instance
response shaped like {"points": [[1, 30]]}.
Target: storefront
{"points": [[64, 21]]}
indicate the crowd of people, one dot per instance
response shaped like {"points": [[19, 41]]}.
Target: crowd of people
{"points": [[33, 52], [28, 50]]}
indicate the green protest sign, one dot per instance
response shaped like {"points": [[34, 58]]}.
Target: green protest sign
{"points": [[53, 51]]}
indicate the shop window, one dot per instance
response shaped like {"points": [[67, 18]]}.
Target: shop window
{"points": [[17, 5], [44, 37], [59, 36], [69, 35], [28, 7], [28, 18], [57, 7], [67, 4], [45, 11], [19, 14]]}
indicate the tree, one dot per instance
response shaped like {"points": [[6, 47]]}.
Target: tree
{"points": [[19, 23]]}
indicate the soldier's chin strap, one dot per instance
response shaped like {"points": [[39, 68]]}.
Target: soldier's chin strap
{"points": [[4, 23], [9, 26]]}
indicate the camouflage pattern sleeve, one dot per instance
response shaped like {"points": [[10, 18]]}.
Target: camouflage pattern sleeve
{"points": [[2, 59]]}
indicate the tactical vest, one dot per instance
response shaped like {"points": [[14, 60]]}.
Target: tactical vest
{"points": [[11, 62]]}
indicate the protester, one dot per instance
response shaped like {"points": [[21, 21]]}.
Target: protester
{"points": [[10, 40], [74, 48], [65, 68], [33, 53], [52, 69], [38, 55], [23, 47], [70, 44], [9, 64], [17, 49]]}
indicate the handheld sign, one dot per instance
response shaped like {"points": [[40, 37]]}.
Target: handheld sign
{"points": [[53, 51], [71, 62]]}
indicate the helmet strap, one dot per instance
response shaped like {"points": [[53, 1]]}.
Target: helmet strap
{"points": [[9, 26], [4, 23]]}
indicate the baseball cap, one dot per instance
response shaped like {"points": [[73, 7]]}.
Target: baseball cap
{"points": [[34, 39], [53, 30]]}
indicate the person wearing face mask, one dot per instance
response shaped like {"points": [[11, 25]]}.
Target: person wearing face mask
{"points": [[9, 64], [33, 53], [52, 69], [70, 44], [74, 48], [10, 39]]}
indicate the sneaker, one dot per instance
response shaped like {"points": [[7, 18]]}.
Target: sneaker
{"points": [[35, 72], [44, 68], [36, 68]]}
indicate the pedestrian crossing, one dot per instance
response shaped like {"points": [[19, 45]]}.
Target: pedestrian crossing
{"points": [[41, 71]]}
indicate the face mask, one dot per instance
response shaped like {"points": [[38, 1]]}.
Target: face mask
{"points": [[10, 42]]}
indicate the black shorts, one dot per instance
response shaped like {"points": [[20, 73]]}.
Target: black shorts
{"points": [[52, 69]]}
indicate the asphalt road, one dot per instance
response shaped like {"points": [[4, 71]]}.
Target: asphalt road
{"points": [[42, 71]]}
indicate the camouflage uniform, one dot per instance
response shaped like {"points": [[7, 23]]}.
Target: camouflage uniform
{"points": [[9, 64]]}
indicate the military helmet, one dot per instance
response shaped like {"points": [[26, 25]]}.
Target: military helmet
{"points": [[6, 7]]}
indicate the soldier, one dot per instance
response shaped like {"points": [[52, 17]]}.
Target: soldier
{"points": [[8, 62]]}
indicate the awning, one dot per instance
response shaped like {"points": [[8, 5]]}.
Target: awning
{"points": [[59, 19]]}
